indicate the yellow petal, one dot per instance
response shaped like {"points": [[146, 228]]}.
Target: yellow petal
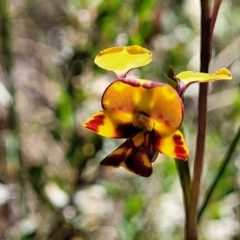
{"points": [[121, 59], [191, 77], [157, 100], [173, 145], [134, 155], [111, 124]]}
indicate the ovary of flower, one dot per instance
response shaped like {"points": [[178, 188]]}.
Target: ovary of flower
{"points": [[143, 122]]}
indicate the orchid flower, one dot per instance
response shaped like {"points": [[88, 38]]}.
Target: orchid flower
{"points": [[147, 113]]}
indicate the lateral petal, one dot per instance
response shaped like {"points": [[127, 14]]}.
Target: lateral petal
{"points": [[121, 59], [134, 155], [111, 124], [173, 145], [191, 77]]}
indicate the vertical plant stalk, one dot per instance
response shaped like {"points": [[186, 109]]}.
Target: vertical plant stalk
{"points": [[8, 62], [222, 169], [216, 6], [185, 179], [191, 228], [12, 140]]}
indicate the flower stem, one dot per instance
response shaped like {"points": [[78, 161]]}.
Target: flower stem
{"points": [[191, 225], [223, 167], [214, 14], [12, 143], [8, 62], [185, 179]]}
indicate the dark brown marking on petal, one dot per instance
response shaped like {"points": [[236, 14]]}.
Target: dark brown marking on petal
{"points": [[118, 156], [139, 162], [95, 123], [152, 150], [178, 140], [131, 82], [112, 160], [139, 158], [147, 140], [126, 130], [134, 159], [177, 137], [156, 138]]}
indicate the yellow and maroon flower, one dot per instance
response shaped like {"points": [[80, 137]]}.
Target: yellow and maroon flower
{"points": [[148, 114]]}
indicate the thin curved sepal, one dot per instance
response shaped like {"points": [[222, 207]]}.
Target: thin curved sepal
{"points": [[186, 78]]}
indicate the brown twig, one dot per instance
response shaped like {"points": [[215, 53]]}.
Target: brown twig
{"points": [[208, 21], [191, 226]]}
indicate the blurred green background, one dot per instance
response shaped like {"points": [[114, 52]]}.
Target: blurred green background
{"points": [[51, 184]]}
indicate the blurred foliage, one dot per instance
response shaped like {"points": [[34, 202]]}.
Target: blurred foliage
{"points": [[51, 185]]}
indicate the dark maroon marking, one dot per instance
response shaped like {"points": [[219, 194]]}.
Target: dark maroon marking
{"points": [[131, 82], [126, 130], [95, 123], [179, 150], [156, 138], [114, 159], [152, 84], [182, 156], [176, 137], [146, 141], [135, 162], [178, 140], [132, 157]]}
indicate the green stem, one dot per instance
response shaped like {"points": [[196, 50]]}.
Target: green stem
{"points": [[223, 167], [185, 179], [6, 46], [13, 154], [191, 228], [6, 43]]}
